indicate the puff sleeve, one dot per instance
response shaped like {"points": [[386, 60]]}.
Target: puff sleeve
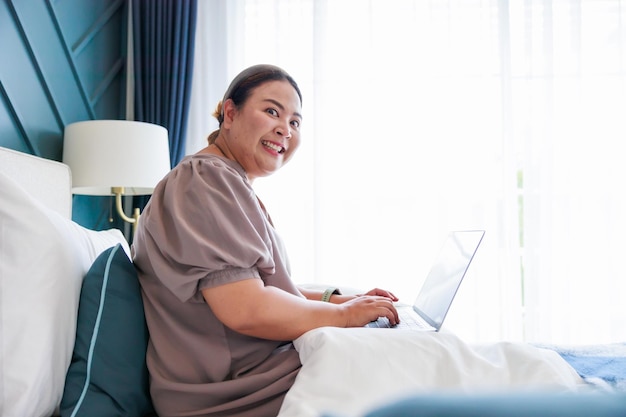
{"points": [[204, 227]]}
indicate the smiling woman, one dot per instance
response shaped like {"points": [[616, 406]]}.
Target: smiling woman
{"points": [[214, 271]]}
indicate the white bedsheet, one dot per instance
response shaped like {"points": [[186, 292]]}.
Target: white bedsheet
{"points": [[349, 371]]}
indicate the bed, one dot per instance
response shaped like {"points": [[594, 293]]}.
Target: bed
{"points": [[73, 336]]}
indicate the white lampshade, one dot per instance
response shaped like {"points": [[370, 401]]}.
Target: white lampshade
{"points": [[116, 153]]}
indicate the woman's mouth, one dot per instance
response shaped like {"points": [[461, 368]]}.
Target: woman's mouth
{"points": [[273, 146]]}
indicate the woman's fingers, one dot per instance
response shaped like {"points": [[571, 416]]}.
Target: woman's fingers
{"points": [[363, 310]]}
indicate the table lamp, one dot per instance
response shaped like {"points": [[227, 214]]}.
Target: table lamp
{"points": [[116, 157]]}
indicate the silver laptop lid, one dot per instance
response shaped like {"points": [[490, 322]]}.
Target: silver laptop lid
{"points": [[445, 276]]}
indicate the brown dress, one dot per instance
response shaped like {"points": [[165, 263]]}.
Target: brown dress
{"points": [[205, 227]]}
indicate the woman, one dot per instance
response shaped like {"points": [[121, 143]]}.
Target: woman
{"points": [[220, 304]]}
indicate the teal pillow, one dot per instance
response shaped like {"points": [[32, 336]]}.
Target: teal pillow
{"points": [[108, 376]]}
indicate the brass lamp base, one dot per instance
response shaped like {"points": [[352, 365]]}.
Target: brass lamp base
{"points": [[119, 192]]}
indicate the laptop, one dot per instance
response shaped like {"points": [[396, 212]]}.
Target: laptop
{"points": [[442, 282]]}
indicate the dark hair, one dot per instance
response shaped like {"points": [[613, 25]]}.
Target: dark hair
{"points": [[242, 85]]}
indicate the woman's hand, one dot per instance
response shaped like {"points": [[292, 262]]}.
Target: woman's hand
{"points": [[364, 309]]}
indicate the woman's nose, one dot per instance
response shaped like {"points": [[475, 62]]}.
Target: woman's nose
{"points": [[284, 130]]}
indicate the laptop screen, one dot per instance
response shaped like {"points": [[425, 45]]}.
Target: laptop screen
{"points": [[446, 274]]}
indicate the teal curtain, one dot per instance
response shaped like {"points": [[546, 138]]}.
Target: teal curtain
{"points": [[163, 42]]}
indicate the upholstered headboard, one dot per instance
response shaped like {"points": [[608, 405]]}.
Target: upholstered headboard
{"points": [[48, 181]]}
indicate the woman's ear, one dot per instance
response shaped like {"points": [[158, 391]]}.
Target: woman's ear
{"points": [[230, 110]]}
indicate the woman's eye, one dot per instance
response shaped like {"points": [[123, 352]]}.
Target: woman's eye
{"points": [[295, 123], [273, 112]]}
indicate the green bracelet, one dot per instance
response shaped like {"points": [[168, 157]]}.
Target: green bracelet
{"points": [[329, 292]]}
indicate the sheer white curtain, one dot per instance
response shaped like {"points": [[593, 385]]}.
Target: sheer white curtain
{"points": [[425, 116], [570, 101]]}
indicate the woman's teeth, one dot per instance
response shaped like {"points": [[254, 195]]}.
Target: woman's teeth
{"points": [[273, 146]]}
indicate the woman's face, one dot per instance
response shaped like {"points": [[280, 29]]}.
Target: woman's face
{"points": [[264, 133]]}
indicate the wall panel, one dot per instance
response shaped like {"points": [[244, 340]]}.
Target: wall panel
{"points": [[60, 62]]}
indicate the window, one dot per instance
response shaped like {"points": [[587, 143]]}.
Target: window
{"points": [[425, 116]]}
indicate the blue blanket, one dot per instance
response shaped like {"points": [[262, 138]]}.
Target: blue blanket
{"points": [[600, 365]]}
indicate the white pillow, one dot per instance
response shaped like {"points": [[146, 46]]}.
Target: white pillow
{"points": [[43, 259]]}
